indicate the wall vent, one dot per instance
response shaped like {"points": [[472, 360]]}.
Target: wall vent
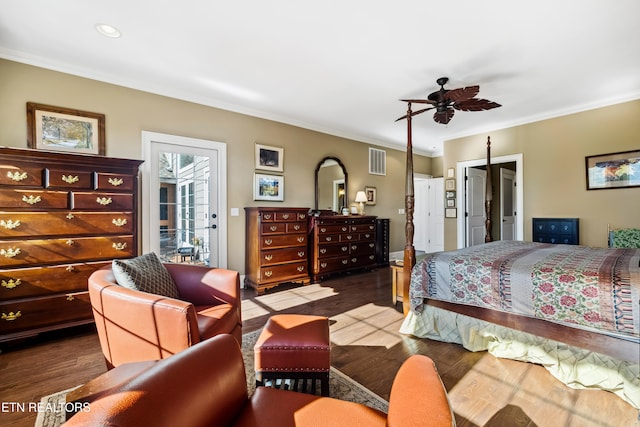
{"points": [[377, 161]]}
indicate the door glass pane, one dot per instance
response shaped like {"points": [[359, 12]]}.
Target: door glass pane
{"points": [[184, 208]]}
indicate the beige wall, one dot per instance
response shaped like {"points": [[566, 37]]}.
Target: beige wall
{"points": [[554, 168], [129, 112]]}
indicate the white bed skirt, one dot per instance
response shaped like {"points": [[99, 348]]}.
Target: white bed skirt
{"points": [[575, 367]]}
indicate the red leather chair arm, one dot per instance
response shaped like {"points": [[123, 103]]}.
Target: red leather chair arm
{"points": [[202, 285], [418, 397], [128, 322]]}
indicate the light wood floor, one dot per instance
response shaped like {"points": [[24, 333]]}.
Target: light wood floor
{"points": [[366, 345]]}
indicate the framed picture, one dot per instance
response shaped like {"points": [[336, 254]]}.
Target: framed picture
{"points": [[268, 187], [450, 184], [64, 129], [269, 158], [450, 194], [615, 170], [451, 203], [371, 193], [450, 212], [451, 172]]}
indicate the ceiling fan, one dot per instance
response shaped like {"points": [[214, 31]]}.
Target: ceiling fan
{"points": [[444, 101]]}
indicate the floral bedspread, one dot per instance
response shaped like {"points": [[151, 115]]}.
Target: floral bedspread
{"points": [[595, 288]]}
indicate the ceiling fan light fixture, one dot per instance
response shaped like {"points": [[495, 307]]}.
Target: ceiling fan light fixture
{"points": [[108, 31]]}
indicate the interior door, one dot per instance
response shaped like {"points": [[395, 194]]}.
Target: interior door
{"points": [[476, 187], [421, 214], [436, 215], [185, 221], [507, 204]]}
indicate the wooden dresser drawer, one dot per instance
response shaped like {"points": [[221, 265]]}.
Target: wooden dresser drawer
{"points": [[362, 247], [30, 282], [332, 229], [102, 201], [339, 249], [366, 227], [278, 256], [34, 199], [284, 240], [36, 313], [47, 251], [28, 224], [283, 271], [68, 179], [113, 182], [362, 260], [18, 174], [329, 265]]}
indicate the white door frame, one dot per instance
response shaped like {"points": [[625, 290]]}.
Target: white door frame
{"points": [[150, 199], [460, 190], [509, 176]]}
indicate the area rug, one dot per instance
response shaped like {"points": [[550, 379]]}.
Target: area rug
{"points": [[340, 387]]}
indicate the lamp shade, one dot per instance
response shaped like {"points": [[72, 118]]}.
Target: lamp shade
{"points": [[361, 197]]}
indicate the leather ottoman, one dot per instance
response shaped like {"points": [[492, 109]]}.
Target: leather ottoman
{"points": [[293, 351]]}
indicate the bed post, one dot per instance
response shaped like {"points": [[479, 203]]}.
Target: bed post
{"points": [[488, 196], [409, 250]]}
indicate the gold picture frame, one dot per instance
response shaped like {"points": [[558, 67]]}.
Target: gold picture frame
{"points": [[62, 129]]}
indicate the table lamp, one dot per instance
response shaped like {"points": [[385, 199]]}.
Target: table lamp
{"points": [[361, 197]]}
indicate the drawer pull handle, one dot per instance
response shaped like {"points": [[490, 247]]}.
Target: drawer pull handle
{"points": [[371, 245], [70, 216], [70, 297], [300, 239], [17, 176], [268, 242], [367, 235], [371, 227], [303, 216], [301, 254], [296, 227], [323, 264], [10, 225], [268, 257], [323, 251], [104, 201], [70, 242], [273, 228], [267, 216], [344, 228], [11, 316], [116, 182], [354, 260], [119, 246], [119, 222], [11, 283], [345, 261], [371, 257], [70, 268], [354, 247], [268, 273], [31, 199], [285, 216], [70, 179], [10, 253], [349, 237], [300, 268], [344, 248], [323, 230], [328, 238]]}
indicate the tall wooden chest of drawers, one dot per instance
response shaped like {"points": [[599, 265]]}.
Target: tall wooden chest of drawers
{"points": [[276, 247], [62, 216], [342, 243]]}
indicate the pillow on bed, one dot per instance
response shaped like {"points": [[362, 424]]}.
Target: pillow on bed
{"points": [[145, 273]]}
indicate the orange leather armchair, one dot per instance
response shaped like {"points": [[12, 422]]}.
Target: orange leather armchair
{"points": [[136, 326], [206, 386]]}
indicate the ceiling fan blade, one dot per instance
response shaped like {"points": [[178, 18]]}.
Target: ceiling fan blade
{"points": [[413, 113], [444, 116], [476, 105], [418, 101], [463, 94]]}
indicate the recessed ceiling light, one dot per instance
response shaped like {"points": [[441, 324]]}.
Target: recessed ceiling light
{"points": [[108, 31]]}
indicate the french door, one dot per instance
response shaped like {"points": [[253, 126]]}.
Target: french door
{"points": [[184, 182]]}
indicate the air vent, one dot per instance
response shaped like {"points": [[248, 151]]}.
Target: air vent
{"points": [[377, 162]]}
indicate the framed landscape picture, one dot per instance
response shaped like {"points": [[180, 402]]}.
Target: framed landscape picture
{"points": [[615, 170], [64, 129], [268, 187]]}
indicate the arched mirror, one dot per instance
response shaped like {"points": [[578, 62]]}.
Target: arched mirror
{"points": [[331, 185]]}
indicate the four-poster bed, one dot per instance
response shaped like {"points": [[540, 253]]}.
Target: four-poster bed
{"points": [[527, 337]]}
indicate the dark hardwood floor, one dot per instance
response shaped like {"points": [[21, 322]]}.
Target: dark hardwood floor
{"points": [[366, 345]]}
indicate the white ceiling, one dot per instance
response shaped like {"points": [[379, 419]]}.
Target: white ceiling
{"points": [[341, 66]]}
